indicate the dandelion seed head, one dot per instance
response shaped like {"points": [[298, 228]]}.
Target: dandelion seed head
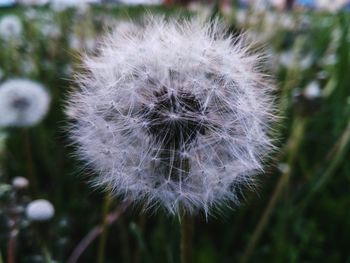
{"points": [[313, 90], [176, 115], [22, 103], [33, 2], [40, 210], [10, 27], [20, 183]]}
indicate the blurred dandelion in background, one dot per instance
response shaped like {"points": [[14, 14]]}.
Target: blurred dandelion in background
{"points": [[40, 210], [10, 27], [33, 2], [22, 103], [20, 183], [176, 114]]}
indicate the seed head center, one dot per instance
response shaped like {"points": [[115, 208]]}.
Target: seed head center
{"points": [[175, 118]]}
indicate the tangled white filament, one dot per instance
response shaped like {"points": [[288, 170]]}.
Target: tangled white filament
{"points": [[175, 114]]}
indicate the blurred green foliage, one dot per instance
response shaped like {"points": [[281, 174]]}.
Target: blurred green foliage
{"points": [[300, 213]]}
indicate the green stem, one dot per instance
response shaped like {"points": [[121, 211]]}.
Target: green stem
{"points": [[46, 253], [337, 154], [31, 172], [186, 238], [293, 146], [125, 248], [102, 243]]}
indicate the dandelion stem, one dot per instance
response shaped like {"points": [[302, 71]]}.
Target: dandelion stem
{"points": [[293, 146], [46, 253], [104, 234], [125, 248], [186, 238], [337, 154], [29, 162], [11, 249], [96, 231]]}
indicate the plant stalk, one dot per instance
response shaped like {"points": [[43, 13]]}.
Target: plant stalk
{"points": [[102, 243], [293, 147], [186, 225]]}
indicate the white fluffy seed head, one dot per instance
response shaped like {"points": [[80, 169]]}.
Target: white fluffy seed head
{"points": [[313, 90], [174, 115], [10, 27], [40, 210], [22, 103], [20, 183], [33, 2]]}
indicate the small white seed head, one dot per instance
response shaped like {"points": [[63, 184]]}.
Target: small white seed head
{"points": [[10, 27], [40, 210], [20, 183], [313, 90], [22, 103]]}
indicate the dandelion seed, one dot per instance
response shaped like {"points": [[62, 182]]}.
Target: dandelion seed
{"points": [[40, 210], [176, 115], [22, 103]]}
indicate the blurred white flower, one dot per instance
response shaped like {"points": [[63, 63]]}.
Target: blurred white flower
{"points": [[22, 103], [50, 30], [33, 2], [204, 12], [287, 21], [271, 21], [283, 167], [141, 2], [312, 90], [322, 75], [280, 4], [20, 183], [40, 210], [10, 27], [289, 59], [305, 62], [258, 6], [331, 5], [60, 5], [126, 27], [77, 43], [31, 13], [329, 59], [241, 16], [28, 66], [176, 115]]}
